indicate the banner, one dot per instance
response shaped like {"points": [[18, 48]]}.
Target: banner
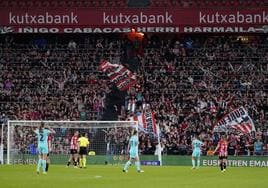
{"points": [[237, 162], [150, 163], [108, 20], [118, 74], [147, 123], [237, 119], [168, 160]]}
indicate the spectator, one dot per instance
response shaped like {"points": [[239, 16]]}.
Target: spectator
{"points": [[258, 147]]}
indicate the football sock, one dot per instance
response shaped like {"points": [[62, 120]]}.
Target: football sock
{"points": [[127, 165], [193, 163], [224, 165], [39, 164], [138, 165], [47, 165], [84, 161], [221, 165], [44, 165], [68, 164], [80, 162], [198, 162]]}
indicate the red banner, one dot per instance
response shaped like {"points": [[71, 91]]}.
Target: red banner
{"points": [[90, 20]]}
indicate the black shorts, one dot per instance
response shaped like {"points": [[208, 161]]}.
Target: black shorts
{"points": [[47, 154], [83, 151], [223, 157], [73, 151]]}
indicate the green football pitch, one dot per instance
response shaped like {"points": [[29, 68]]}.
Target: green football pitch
{"points": [[24, 176]]}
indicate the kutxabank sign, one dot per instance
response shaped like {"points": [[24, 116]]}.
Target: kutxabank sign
{"points": [[144, 20]]}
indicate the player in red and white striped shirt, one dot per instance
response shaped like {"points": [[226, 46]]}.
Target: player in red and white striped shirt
{"points": [[223, 153], [74, 149]]}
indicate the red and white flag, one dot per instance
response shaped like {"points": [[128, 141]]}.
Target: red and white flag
{"points": [[118, 74], [147, 123], [237, 119]]}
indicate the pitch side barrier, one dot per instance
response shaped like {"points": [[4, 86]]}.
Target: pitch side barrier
{"points": [[170, 160]]}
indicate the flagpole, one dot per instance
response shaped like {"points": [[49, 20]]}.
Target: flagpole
{"points": [[159, 145], [2, 145]]}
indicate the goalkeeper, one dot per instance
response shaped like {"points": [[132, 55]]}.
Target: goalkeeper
{"points": [[133, 152]]}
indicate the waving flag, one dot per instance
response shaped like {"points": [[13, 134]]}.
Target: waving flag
{"points": [[118, 74], [147, 123], [237, 119]]}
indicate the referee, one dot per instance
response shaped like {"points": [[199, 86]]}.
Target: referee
{"points": [[83, 144]]}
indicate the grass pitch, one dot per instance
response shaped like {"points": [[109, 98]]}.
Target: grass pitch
{"points": [[24, 176]]}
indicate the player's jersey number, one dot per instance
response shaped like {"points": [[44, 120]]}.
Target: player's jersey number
{"points": [[133, 143], [41, 138]]}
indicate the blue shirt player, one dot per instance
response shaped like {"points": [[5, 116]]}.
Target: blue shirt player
{"points": [[133, 152], [42, 136], [196, 144]]}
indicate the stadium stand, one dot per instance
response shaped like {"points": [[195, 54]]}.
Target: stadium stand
{"points": [[190, 82]]}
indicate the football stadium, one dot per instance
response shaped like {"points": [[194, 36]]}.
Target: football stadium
{"points": [[133, 93]]}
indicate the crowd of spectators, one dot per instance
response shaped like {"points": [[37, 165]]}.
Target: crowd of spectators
{"points": [[55, 81], [44, 79], [189, 82]]}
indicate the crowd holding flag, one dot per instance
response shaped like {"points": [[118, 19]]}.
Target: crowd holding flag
{"points": [[146, 122], [118, 74], [237, 119]]}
